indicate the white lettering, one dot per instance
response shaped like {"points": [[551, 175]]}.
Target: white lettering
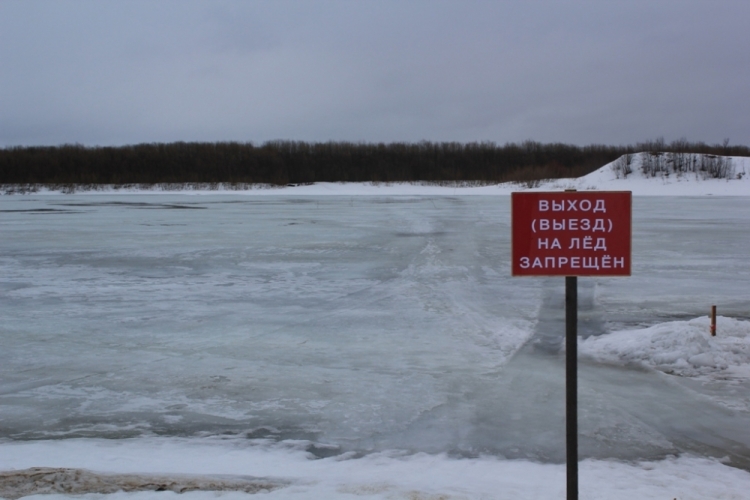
{"points": [[561, 261], [573, 206], [601, 244], [542, 243], [525, 262], [587, 245], [556, 244], [606, 262], [572, 225], [591, 263], [575, 262], [537, 263], [619, 262], [549, 262], [574, 243]]}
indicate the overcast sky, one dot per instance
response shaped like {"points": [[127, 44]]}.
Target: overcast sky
{"points": [[613, 72]]}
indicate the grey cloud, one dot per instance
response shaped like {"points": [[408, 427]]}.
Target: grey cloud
{"points": [[579, 72]]}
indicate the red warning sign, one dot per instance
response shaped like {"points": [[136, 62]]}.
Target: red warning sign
{"points": [[571, 233]]}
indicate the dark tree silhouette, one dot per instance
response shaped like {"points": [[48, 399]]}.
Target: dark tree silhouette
{"points": [[285, 162]]}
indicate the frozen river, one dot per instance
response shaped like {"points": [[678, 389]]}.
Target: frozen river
{"points": [[352, 323]]}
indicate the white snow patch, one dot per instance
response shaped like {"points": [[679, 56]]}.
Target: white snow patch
{"points": [[684, 348], [386, 475]]}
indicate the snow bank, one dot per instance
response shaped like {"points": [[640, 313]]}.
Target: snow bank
{"points": [[683, 348], [48, 480], [388, 475]]}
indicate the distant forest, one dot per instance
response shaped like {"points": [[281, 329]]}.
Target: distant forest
{"points": [[290, 162]]}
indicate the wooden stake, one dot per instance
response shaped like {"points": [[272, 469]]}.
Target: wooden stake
{"points": [[713, 321]]}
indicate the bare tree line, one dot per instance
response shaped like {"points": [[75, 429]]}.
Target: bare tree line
{"points": [[293, 162]]}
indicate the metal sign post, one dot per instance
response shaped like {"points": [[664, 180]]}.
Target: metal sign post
{"points": [[571, 385], [571, 234]]}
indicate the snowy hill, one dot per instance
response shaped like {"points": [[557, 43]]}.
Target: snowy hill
{"points": [[667, 174]]}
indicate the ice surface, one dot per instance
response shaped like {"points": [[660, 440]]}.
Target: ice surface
{"points": [[339, 320], [350, 324]]}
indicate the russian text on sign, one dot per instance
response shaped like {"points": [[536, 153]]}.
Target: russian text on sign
{"points": [[573, 206], [605, 262], [599, 225], [571, 233]]}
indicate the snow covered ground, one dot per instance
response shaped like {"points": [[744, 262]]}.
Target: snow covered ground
{"points": [[385, 475], [367, 346], [668, 183], [684, 348]]}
